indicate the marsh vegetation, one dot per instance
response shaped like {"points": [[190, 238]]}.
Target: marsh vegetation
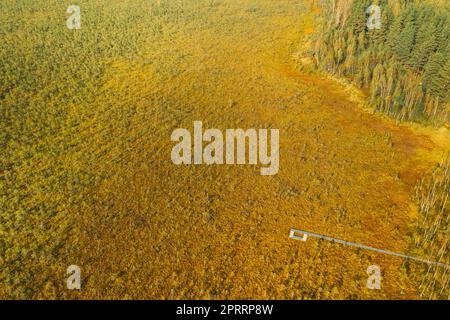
{"points": [[86, 177]]}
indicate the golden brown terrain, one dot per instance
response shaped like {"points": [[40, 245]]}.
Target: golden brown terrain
{"points": [[146, 228]]}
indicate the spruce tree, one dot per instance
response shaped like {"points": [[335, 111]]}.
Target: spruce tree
{"points": [[395, 31], [433, 79], [425, 46], [357, 21], [407, 37]]}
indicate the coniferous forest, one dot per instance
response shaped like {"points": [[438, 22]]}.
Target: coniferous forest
{"points": [[403, 64]]}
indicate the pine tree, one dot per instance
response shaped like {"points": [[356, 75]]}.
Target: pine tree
{"points": [[433, 79], [350, 53], [425, 40], [407, 37], [425, 45], [394, 32], [379, 36], [357, 22], [443, 80], [378, 82], [442, 34]]}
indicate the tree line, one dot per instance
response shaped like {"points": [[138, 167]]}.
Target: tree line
{"points": [[403, 65]]}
